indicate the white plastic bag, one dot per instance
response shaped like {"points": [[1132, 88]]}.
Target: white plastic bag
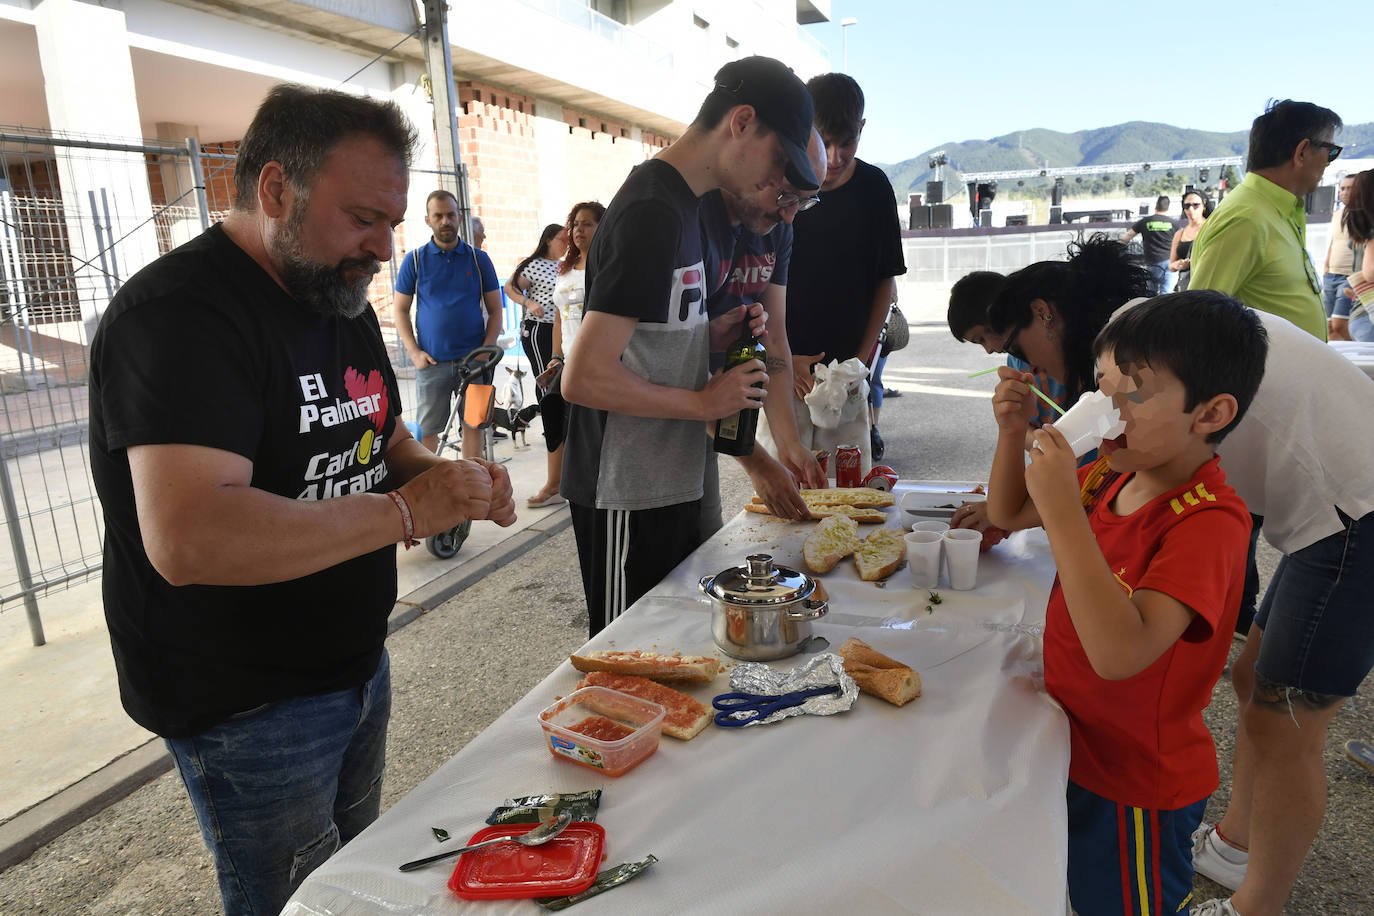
{"points": [[840, 393]]}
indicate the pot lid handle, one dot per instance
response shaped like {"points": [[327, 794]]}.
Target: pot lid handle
{"points": [[761, 569]]}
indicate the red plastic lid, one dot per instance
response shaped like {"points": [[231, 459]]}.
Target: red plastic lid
{"points": [[566, 864]]}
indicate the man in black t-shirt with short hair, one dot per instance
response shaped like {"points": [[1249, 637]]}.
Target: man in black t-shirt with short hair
{"points": [[637, 377], [254, 478], [845, 256], [1157, 236]]}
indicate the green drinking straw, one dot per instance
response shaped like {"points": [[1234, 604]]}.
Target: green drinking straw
{"points": [[1047, 399], [1038, 393]]}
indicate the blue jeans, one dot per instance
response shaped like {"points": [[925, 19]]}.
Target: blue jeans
{"points": [[1361, 328], [1160, 279], [435, 388], [1337, 304], [278, 789], [1318, 632]]}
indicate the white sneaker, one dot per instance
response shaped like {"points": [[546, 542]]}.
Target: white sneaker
{"points": [[1215, 907], [1210, 862]]}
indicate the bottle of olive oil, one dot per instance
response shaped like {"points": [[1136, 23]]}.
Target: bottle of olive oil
{"points": [[735, 433]]}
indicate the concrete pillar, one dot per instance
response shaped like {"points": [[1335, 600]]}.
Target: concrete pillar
{"points": [[88, 80], [178, 184], [551, 145], [408, 92]]}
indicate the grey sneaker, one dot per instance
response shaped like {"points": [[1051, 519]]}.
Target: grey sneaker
{"points": [[1210, 863], [1214, 907]]}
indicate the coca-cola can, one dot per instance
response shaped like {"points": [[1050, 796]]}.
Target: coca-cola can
{"points": [[823, 459], [848, 466], [882, 478]]}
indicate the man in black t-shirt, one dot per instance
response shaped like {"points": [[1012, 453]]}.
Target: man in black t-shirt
{"points": [[1157, 238], [254, 479], [637, 376], [845, 255]]}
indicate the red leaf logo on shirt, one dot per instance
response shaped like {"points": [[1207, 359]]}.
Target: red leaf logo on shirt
{"points": [[358, 387]]}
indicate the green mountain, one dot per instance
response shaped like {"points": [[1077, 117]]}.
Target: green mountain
{"points": [[1134, 141]]}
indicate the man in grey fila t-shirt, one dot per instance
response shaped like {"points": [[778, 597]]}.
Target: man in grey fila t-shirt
{"points": [[637, 378]]}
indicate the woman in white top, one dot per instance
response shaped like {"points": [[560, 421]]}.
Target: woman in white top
{"points": [[531, 284], [569, 290]]}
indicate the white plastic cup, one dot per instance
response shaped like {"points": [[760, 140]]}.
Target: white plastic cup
{"points": [[931, 524], [961, 557], [1088, 422], [923, 558]]}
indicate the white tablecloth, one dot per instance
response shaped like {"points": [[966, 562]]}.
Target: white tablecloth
{"points": [[951, 804], [1358, 352]]}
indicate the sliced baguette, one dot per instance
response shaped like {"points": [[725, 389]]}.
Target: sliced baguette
{"points": [[683, 717], [878, 555], [861, 514], [878, 674], [681, 669], [830, 542], [844, 496]]}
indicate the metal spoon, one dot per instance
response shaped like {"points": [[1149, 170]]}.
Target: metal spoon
{"points": [[541, 834]]}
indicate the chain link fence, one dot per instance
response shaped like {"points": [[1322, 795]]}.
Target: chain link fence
{"points": [[78, 217]]}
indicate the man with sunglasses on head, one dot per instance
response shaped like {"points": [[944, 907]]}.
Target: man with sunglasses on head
{"points": [[1253, 246], [746, 249]]}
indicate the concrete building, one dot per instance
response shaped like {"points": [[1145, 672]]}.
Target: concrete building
{"points": [[557, 99]]}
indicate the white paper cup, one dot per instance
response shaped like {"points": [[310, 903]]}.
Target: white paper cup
{"points": [[961, 557], [923, 558], [1088, 422], [931, 524]]}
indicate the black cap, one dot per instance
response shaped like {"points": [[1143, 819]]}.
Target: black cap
{"points": [[781, 101]]}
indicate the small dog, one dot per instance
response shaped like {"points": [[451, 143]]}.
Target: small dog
{"points": [[516, 422]]}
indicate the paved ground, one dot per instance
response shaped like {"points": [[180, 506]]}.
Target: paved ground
{"points": [[457, 668]]}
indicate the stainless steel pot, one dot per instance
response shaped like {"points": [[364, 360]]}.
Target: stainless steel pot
{"points": [[761, 611]]}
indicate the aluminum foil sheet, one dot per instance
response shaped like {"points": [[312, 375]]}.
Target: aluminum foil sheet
{"points": [[822, 671]]}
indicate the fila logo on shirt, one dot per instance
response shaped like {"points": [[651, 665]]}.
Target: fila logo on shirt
{"points": [[687, 293]]}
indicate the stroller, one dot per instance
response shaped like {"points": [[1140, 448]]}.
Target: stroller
{"points": [[475, 409]]}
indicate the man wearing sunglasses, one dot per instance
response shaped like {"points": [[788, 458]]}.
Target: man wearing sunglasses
{"points": [[746, 250], [1254, 246]]}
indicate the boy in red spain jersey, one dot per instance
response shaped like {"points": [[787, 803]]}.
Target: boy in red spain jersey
{"points": [[1150, 578]]}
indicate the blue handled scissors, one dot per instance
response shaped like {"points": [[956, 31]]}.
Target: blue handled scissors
{"points": [[761, 707]]}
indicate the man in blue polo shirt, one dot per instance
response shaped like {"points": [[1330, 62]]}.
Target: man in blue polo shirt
{"points": [[459, 311]]}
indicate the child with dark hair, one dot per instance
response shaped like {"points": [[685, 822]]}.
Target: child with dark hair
{"points": [[1150, 580]]}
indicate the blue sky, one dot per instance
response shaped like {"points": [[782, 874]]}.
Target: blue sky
{"points": [[936, 73]]}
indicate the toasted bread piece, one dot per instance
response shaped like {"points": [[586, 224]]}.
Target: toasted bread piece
{"points": [[878, 674], [845, 496], [879, 554], [681, 669], [830, 542], [683, 717], [861, 514], [896, 685]]}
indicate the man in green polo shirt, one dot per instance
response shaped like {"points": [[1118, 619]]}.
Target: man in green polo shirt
{"points": [[1254, 246]]}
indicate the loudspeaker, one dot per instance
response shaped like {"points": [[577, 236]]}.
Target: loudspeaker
{"points": [[920, 218], [1320, 203], [1018, 219], [935, 192], [942, 216], [1056, 215]]}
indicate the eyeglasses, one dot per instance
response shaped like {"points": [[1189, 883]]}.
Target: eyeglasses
{"points": [[1332, 150], [1191, 206], [789, 199], [1012, 348]]}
